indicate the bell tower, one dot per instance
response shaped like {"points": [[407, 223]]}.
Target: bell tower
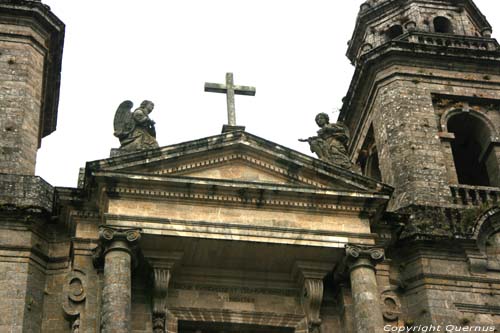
{"points": [[423, 109], [31, 46], [424, 103]]}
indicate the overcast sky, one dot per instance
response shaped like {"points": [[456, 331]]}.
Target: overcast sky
{"points": [[292, 51]]}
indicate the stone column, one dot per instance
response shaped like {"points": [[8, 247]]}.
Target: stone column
{"points": [[117, 289], [361, 262]]}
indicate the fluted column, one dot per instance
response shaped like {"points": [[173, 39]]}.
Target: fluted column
{"points": [[361, 262], [117, 290]]}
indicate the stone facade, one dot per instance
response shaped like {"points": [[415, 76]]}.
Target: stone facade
{"points": [[235, 233]]}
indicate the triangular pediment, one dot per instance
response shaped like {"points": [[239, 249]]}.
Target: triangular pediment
{"points": [[238, 157]]}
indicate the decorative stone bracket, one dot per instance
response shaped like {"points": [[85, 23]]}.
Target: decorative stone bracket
{"points": [[161, 273], [161, 278], [310, 276]]}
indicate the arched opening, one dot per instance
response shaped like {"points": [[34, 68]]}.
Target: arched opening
{"points": [[372, 168], [474, 162], [368, 157], [443, 25], [394, 31]]}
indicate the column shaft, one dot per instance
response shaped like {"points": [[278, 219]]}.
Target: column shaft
{"points": [[117, 289], [366, 297]]}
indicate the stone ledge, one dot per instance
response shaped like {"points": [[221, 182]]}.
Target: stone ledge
{"points": [[26, 191]]}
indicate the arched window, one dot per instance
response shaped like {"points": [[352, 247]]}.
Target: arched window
{"points": [[443, 25], [475, 162], [394, 31]]}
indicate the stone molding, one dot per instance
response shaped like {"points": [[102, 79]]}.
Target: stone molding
{"points": [[291, 320], [227, 198], [237, 289]]}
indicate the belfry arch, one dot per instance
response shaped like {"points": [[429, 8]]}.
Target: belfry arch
{"points": [[473, 155]]}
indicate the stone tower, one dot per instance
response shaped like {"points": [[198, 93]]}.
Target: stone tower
{"points": [[31, 42], [30, 65], [423, 103], [423, 108]]}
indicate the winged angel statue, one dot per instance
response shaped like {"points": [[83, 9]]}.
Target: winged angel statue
{"points": [[135, 130]]}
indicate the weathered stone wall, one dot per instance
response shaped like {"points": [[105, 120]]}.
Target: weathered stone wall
{"points": [[22, 276], [21, 74], [25, 191], [410, 154], [441, 290]]}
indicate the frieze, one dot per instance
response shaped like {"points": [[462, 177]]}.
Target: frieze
{"points": [[237, 290]]}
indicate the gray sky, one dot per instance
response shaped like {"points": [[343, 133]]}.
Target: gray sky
{"points": [[292, 51]]}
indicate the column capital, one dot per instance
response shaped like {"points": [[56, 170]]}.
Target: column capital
{"points": [[115, 239], [110, 233], [363, 255]]}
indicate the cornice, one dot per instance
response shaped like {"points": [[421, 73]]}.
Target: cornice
{"points": [[410, 55]]}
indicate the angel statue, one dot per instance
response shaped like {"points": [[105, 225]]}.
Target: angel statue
{"points": [[135, 130], [331, 143]]}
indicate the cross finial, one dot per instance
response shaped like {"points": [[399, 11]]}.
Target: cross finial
{"points": [[230, 90]]}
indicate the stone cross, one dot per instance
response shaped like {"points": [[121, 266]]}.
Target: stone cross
{"points": [[230, 90]]}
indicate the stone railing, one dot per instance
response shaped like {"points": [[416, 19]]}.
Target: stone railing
{"points": [[449, 40], [468, 195], [25, 192]]}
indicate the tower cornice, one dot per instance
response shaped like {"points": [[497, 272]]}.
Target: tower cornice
{"points": [[370, 11], [403, 52]]}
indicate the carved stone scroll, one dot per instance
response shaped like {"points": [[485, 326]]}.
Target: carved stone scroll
{"points": [[162, 265], [161, 278], [310, 275], [74, 296]]}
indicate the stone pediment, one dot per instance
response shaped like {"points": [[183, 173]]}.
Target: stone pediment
{"points": [[238, 157]]}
